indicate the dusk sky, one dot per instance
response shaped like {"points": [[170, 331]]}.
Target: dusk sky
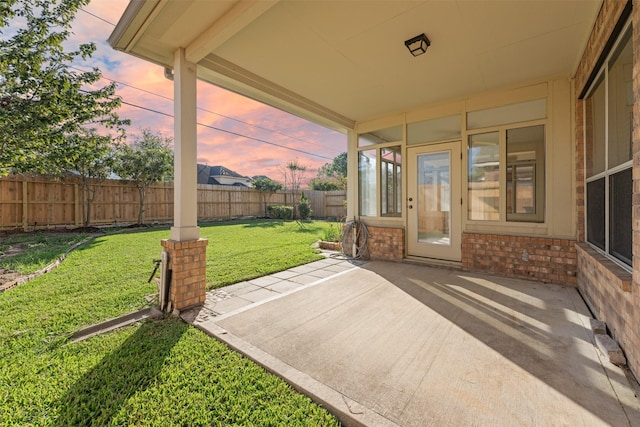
{"points": [[143, 84]]}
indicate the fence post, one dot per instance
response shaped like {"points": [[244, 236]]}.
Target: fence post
{"points": [[25, 204]]}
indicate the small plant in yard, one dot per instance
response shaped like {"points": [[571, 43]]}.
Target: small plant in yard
{"points": [[333, 233], [304, 207], [161, 372]]}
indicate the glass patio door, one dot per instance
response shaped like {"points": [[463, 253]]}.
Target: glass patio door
{"points": [[433, 202]]}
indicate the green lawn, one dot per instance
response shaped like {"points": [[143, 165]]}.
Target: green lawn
{"points": [[153, 373], [38, 250]]}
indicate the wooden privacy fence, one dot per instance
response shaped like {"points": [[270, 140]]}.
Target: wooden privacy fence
{"points": [[36, 202]]}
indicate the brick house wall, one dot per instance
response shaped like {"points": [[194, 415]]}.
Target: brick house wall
{"points": [[611, 292], [535, 258], [607, 288], [385, 243]]}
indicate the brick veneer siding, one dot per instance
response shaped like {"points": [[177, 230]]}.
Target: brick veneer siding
{"points": [[607, 19], [607, 288], [385, 243], [612, 292], [187, 262], [580, 172], [537, 258]]}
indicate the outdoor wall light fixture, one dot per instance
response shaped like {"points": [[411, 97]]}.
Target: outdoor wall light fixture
{"points": [[418, 45]]}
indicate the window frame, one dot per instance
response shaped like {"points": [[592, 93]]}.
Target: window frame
{"points": [[509, 219], [602, 77], [379, 181]]}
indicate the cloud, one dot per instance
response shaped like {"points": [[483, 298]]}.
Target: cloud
{"points": [[142, 84]]}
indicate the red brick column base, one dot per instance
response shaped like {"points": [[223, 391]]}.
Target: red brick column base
{"points": [[187, 263]]}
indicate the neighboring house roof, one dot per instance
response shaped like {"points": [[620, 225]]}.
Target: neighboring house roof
{"points": [[220, 175]]}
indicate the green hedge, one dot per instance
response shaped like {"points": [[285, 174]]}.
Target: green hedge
{"points": [[280, 212]]}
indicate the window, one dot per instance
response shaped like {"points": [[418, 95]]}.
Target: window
{"points": [[381, 136], [524, 174], [484, 176], [513, 113], [391, 180], [432, 130], [367, 182], [380, 172], [608, 109]]}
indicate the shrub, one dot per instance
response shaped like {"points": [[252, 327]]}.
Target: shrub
{"points": [[304, 207], [280, 212], [333, 233]]}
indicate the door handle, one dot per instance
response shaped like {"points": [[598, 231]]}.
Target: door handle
{"points": [[410, 206]]}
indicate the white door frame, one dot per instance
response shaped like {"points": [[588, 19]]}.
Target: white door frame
{"points": [[448, 249]]}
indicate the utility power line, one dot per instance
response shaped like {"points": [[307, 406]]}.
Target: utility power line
{"points": [[97, 17], [231, 132], [199, 108], [203, 109]]}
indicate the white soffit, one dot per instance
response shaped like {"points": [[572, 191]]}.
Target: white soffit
{"points": [[348, 57]]}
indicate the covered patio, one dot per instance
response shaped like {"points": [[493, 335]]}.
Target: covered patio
{"points": [[386, 344], [509, 146]]}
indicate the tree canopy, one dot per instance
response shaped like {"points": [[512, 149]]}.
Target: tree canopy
{"points": [[267, 188], [92, 160], [148, 160], [43, 100], [336, 169], [332, 176]]}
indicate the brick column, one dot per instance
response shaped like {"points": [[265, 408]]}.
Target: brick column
{"points": [[187, 263]]}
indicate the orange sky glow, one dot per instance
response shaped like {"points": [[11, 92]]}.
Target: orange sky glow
{"points": [[143, 84]]}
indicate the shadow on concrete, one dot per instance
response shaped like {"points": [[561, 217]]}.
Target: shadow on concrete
{"points": [[423, 346], [541, 328]]}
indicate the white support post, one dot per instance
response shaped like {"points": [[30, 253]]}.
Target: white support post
{"points": [[352, 174], [185, 190]]}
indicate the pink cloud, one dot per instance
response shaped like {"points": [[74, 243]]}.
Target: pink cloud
{"points": [[218, 108]]}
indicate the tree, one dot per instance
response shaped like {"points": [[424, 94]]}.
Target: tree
{"points": [[293, 175], [304, 207], [332, 176], [327, 184], [148, 160], [92, 160], [42, 100], [267, 188]]}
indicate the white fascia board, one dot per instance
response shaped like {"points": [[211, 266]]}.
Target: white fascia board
{"points": [[227, 75], [135, 19]]}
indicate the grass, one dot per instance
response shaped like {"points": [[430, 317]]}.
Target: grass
{"points": [[37, 250], [247, 250], [154, 373]]}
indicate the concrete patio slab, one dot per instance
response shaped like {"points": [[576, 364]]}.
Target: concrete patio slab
{"points": [[400, 344], [229, 305], [241, 288], [325, 272], [285, 274], [264, 281], [304, 279], [259, 294], [283, 286]]}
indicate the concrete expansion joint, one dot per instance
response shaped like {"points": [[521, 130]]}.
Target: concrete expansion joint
{"points": [[606, 344]]}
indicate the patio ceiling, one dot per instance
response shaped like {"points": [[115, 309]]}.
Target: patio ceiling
{"points": [[339, 62]]}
